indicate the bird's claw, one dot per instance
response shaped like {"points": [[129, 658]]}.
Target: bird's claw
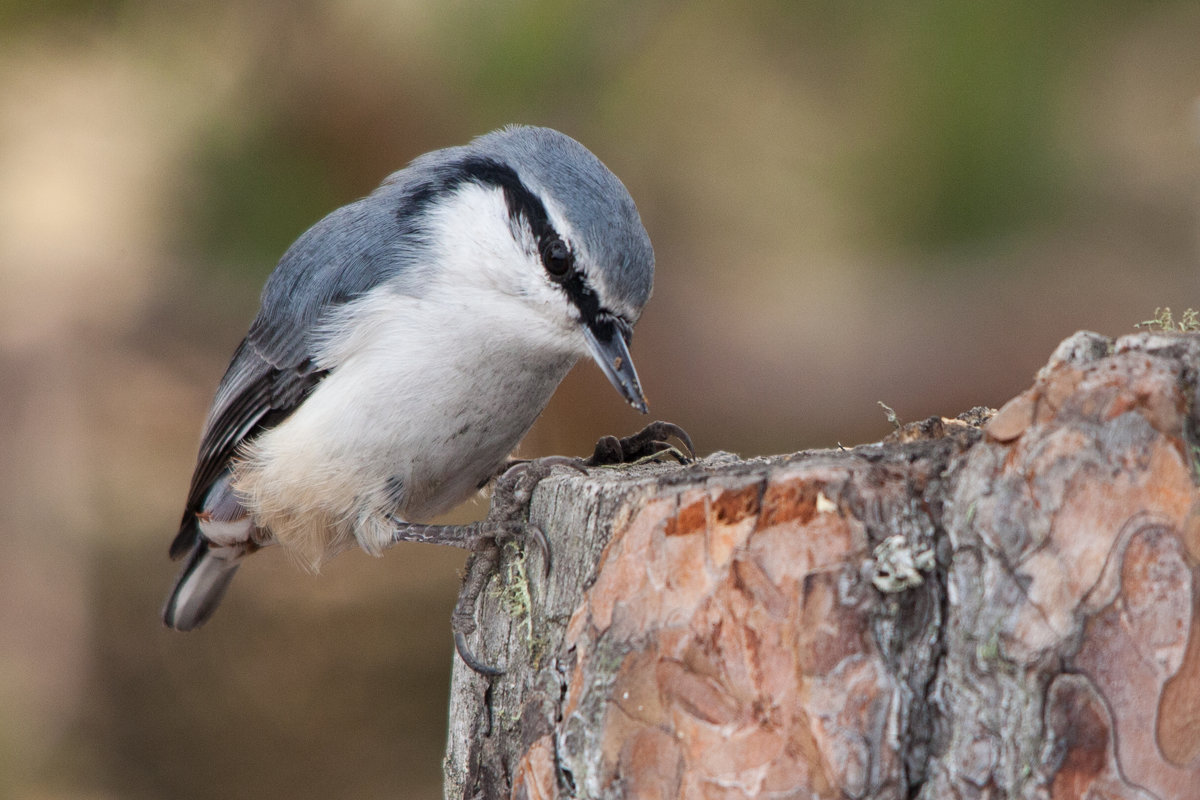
{"points": [[514, 487], [538, 536], [464, 652], [649, 444], [531, 472], [507, 521], [480, 566], [508, 518]]}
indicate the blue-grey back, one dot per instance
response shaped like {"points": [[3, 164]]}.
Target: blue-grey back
{"points": [[345, 255]]}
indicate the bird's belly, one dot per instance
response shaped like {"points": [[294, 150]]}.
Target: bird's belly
{"points": [[382, 436]]}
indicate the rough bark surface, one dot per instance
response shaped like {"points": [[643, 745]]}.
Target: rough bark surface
{"points": [[998, 606]]}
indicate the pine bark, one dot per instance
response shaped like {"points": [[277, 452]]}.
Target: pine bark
{"points": [[1002, 605]]}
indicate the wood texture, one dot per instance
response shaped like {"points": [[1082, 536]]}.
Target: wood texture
{"points": [[999, 606]]}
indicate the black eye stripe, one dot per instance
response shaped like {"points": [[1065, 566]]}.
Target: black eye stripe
{"points": [[525, 206], [521, 203]]}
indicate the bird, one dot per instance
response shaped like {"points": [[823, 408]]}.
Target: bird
{"points": [[404, 345]]}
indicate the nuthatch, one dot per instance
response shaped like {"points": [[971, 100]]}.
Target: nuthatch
{"points": [[405, 344]]}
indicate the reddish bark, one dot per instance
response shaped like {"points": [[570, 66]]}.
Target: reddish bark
{"points": [[958, 611]]}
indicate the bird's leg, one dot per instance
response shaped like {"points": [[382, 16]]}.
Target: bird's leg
{"points": [[465, 536], [484, 540], [507, 520], [510, 508], [650, 443]]}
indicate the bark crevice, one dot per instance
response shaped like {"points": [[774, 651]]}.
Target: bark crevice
{"points": [[991, 606]]}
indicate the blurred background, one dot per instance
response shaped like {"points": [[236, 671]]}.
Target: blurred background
{"points": [[909, 201]]}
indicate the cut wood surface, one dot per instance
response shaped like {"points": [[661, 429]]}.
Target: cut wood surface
{"points": [[998, 606]]}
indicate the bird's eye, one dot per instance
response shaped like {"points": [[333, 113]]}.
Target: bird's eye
{"points": [[556, 257]]}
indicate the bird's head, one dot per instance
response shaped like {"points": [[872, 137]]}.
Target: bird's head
{"points": [[532, 227]]}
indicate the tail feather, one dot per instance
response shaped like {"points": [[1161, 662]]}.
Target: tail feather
{"points": [[200, 585]]}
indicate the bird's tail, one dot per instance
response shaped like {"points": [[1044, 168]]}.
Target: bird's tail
{"points": [[201, 585]]}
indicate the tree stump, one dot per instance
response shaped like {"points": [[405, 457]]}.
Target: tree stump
{"points": [[997, 606]]}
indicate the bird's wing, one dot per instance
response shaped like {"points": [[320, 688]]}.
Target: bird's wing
{"points": [[256, 393], [340, 258]]}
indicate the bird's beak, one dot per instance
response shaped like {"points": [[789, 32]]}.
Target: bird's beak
{"points": [[609, 348]]}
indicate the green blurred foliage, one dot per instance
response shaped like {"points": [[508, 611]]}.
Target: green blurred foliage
{"points": [[254, 194], [527, 54], [970, 151], [20, 15], [965, 145]]}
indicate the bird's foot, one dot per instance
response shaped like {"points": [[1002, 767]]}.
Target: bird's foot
{"points": [[651, 443], [508, 518], [507, 521], [481, 566], [516, 482]]}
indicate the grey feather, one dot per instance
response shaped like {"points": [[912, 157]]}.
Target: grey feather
{"points": [[199, 588]]}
